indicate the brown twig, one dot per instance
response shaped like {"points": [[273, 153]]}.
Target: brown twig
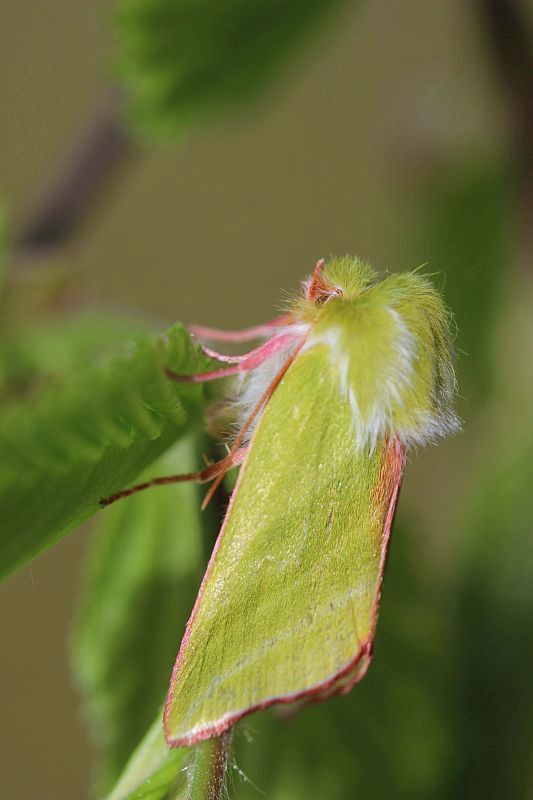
{"points": [[72, 192], [511, 45]]}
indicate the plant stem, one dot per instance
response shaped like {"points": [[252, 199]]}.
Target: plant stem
{"points": [[508, 35], [209, 760], [207, 771]]}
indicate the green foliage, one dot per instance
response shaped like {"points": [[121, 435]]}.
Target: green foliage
{"points": [[183, 60], [153, 771], [466, 235], [144, 564], [495, 607], [35, 354], [86, 437]]}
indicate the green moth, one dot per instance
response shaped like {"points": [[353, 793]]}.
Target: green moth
{"points": [[352, 375]]}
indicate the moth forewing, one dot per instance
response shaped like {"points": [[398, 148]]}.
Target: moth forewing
{"points": [[288, 605]]}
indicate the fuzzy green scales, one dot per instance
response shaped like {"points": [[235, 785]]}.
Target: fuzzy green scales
{"points": [[289, 603]]}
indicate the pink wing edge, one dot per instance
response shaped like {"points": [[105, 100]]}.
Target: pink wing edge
{"points": [[338, 684]]}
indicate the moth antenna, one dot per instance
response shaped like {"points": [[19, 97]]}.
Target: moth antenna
{"points": [[316, 285]]}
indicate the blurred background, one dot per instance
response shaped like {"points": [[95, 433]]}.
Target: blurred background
{"points": [[398, 132]]}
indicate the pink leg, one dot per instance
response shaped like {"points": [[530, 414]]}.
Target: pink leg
{"points": [[202, 377], [244, 363], [245, 335], [233, 459], [237, 444], [216, 356]]}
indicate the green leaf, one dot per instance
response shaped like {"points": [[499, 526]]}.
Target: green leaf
{"points": [[495, 609], [86, 438], [153, 772], [141, 581], [183, 60], [34, 353], [467, 236]]}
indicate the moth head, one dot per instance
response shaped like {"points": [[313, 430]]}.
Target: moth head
{"points": [[339, 277], [390, 349]]}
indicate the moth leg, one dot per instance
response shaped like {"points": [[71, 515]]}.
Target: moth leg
{"points": [[216, 356], [244, 335], [238, 452], [244, 363], [237, 444], [209, 472], [202, 377]]}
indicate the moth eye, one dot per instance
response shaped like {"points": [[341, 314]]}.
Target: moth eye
{"points": [[318, 291], [324, 294]]}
